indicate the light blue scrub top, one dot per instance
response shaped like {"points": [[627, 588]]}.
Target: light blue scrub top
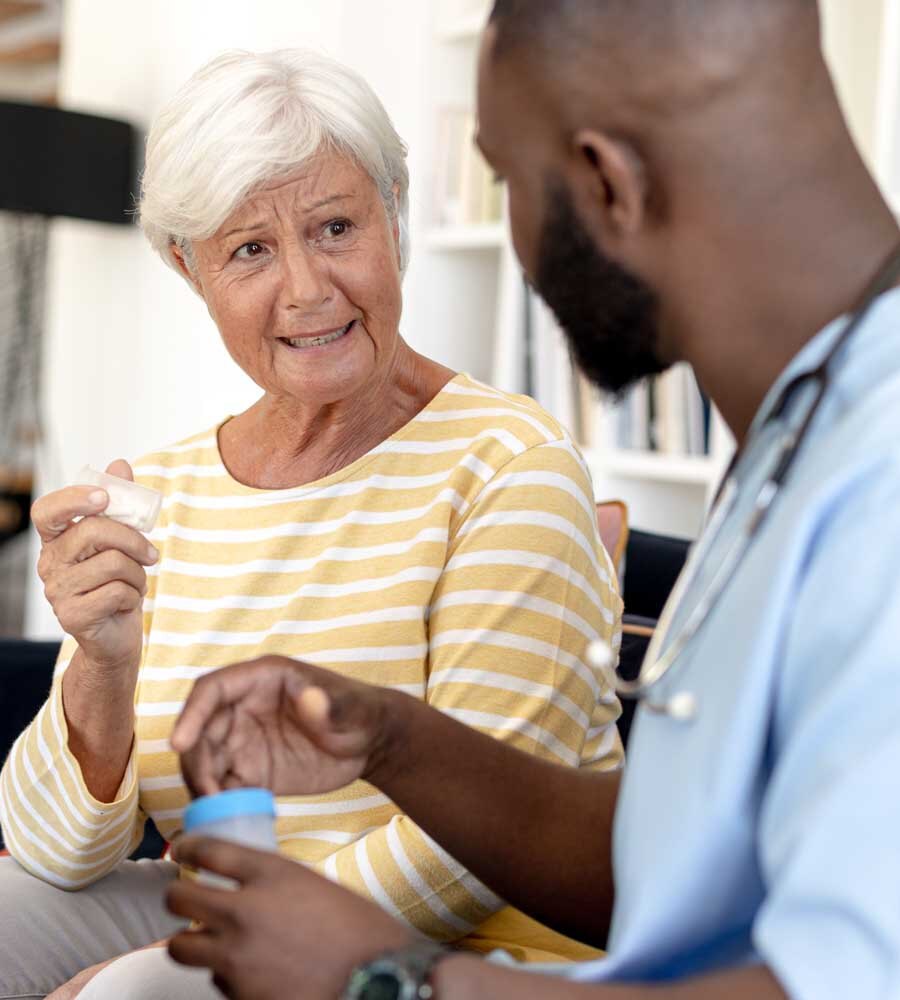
{"points": [[768, 829]]}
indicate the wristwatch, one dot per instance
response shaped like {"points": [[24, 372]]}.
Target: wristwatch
{"points": [[398, 975]]}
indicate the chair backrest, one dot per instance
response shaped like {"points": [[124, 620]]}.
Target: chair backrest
{"points": [[612, 523], [651, 566]]}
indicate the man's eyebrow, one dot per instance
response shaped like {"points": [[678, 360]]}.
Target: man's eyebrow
{"points": [[247, 227]]}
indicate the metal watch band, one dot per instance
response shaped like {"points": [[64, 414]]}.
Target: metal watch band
{"points": [[415, 963]]}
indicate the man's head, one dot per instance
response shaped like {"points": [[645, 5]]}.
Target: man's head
{"points": [[639, 139]]}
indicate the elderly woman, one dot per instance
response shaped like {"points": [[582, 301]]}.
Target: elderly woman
{"points": [[373, 512]]}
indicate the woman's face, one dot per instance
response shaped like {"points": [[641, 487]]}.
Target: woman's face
{"points": [[303, 282]]}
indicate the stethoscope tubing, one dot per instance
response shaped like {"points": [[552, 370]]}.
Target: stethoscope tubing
{"points": [[661, 656]]}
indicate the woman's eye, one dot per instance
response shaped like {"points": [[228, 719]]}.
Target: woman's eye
{"points": [[249, 250], [338, 228]]}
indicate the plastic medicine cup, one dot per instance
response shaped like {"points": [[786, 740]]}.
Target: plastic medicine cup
{"points": [[129, 503], [242, 815]]}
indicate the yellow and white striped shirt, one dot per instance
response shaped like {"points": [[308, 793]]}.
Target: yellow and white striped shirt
{"points": [[458, 561]]}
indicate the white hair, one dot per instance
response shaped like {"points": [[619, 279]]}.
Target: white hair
{"points": [[246, 119]]}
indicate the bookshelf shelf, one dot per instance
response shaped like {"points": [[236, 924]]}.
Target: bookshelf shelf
{"points": [[686, 470], [475, 236]]}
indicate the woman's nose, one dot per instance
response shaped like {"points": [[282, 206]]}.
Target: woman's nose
{"points": [[304, 278]]}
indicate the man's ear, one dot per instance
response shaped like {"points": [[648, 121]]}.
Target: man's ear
{"points": [[613, 182], [186, 272]]}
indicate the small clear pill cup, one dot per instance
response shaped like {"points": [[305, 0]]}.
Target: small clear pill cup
{"points": [[242, 815], [129, 503]]}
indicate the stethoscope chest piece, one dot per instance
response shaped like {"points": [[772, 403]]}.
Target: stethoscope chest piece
{"points": [[680, 707]]}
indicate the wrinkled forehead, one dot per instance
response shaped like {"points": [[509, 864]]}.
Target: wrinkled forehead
{"points": [[328, 178]]}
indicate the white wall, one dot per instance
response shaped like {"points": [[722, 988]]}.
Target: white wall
{"points": [[132, 359], [852, 41]]}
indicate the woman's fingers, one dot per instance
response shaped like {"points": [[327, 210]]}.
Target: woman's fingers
{"points": [[119, 467], [94, 535], [53, 514], [106, 567], [78, 613]]}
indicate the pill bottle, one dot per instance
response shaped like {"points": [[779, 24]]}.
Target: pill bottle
{"points": [[242, 815], [129, 503]]}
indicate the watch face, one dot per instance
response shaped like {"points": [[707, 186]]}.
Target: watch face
{"points": [[381, 986]]}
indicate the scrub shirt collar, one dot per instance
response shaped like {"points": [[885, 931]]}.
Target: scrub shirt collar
{"points": [[813, 353]]}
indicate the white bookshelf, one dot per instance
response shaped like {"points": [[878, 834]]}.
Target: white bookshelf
{"points": [[665, 492], [624, 463]]}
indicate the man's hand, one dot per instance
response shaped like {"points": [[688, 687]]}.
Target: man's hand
{"points": [[282, 927], [299, 729], [289, 932], [279, 724]]}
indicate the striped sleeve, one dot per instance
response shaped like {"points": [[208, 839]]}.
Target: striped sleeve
{"points": [[527, 586], [52, 825]]}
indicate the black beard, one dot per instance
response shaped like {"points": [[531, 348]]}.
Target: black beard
{"points": [[609, 316]]}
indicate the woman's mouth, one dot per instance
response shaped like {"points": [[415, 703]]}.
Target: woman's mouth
{"points": [[320, 341]]}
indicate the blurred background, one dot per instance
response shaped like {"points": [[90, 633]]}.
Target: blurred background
{"points": [[104, 352]]}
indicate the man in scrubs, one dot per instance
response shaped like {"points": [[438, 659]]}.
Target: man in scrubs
{"points": [[682, 187]]}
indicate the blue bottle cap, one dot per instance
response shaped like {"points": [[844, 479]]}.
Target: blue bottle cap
{"points": [[227, 805]]}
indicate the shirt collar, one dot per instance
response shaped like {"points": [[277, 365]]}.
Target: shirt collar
{"points": [[814, 352]]}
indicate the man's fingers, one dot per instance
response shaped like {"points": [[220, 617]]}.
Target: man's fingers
{"points": [[215, 692], [214, 908], [222, 857], [201, 769], [197, 948], [53, 514], [339, 722], [207, 697]]}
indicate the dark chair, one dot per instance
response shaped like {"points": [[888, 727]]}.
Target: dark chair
{"points": [[26, 672], [652, 565]]}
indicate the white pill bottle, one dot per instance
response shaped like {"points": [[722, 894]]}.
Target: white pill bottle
{"points": [[242, 815]]}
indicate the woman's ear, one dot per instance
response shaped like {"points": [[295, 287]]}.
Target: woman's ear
{"points": [[613, 182], [395, 225], [180, 259]]}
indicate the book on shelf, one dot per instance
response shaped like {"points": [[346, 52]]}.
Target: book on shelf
{"points": [[466, 190], [666, 414]]}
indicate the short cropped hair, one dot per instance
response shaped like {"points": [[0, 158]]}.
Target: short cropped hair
{"points": [[246, 119]]}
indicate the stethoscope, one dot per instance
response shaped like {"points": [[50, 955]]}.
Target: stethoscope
{"points": [[661, 657]]}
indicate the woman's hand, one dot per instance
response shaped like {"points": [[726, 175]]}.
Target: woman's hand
{"points": [[93, 572], [280, 724], [284, 928]]}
